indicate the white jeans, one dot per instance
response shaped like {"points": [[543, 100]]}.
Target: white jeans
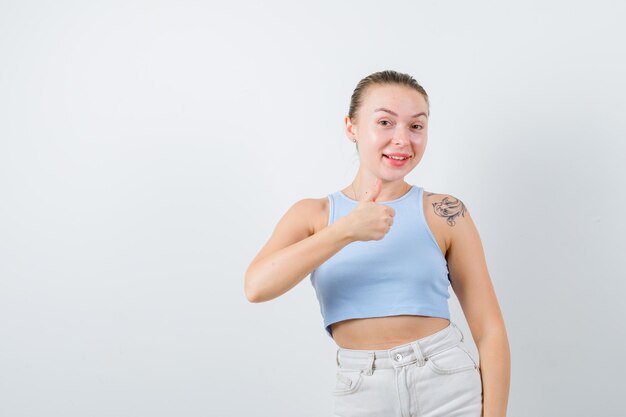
{"points": [[434, 376]]}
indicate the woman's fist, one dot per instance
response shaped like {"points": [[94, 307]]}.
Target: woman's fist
{"points": [[370, 220]]}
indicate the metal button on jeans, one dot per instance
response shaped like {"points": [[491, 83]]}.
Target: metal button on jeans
{"points": [[398, 357]]}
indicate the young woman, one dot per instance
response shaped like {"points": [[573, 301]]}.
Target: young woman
{"points": [[381, 254]]}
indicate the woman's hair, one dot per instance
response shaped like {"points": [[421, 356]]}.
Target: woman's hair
{"points": [[381, 78]]}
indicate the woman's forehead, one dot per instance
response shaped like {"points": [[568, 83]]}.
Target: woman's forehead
{"points": [[395, 98]]}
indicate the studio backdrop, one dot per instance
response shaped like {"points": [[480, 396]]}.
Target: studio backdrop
{"points": [[148, 149]]}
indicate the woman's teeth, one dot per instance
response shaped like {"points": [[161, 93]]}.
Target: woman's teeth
{"points": [[399, 158]]}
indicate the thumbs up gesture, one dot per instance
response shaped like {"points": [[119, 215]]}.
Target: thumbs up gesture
{"points": [[370, 220]]}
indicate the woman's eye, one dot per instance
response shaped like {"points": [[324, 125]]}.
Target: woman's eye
{"points": [[418, 126], [384, 121]]}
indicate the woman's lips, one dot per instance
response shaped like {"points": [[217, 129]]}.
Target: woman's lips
{"points": [[396, 162]]}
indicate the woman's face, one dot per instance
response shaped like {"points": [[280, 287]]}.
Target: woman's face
{"points": [[392, 119]]}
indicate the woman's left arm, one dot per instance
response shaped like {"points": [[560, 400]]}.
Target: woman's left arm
{"points": [[473, 287]]}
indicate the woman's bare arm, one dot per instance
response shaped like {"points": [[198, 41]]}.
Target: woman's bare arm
{"points": [[473, 287], [293, 252]]}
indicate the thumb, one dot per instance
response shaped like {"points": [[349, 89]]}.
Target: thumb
{"points": [[372, 193]]}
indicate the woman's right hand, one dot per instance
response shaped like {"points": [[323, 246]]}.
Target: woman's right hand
{"points": [[369, 220]]}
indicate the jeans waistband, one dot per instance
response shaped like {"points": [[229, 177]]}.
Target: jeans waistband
{"points": [[416, 351]]}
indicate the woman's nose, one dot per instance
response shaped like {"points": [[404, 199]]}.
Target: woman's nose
{"points": [[401, 136]]}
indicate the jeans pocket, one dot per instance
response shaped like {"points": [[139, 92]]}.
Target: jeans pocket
{"points": [[452, 360], [347, 381]]}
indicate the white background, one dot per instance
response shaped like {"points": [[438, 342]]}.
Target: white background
{"points": [[148, 148]]}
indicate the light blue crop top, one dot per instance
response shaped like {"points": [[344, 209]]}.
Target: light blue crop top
{"points": [[405, 273]]}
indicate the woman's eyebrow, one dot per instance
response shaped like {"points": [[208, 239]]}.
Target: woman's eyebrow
{"points": [[395, 114]]}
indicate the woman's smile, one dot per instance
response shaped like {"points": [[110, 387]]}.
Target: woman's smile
{"points": [[396, 161]]}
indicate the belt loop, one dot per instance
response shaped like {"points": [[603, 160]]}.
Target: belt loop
{"points": [[421, 360], [458, 330], [370, 364]]}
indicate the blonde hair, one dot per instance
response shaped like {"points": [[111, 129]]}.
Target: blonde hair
{"points": [[382, 78]]}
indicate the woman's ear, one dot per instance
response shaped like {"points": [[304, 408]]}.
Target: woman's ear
{"points": [[351, 130]]}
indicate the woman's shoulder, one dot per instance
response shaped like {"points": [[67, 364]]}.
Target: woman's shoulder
{"points": [[438, 195], [443, 212], [445, 206], [316, 210]]}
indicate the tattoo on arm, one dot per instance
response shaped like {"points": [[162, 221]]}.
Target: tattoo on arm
{"points": [[450, 208]]}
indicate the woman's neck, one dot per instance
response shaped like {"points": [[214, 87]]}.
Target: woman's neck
{"points": [[388, 191]]}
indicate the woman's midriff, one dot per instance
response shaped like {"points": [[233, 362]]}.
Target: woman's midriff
{"points": [[377, 333]]}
